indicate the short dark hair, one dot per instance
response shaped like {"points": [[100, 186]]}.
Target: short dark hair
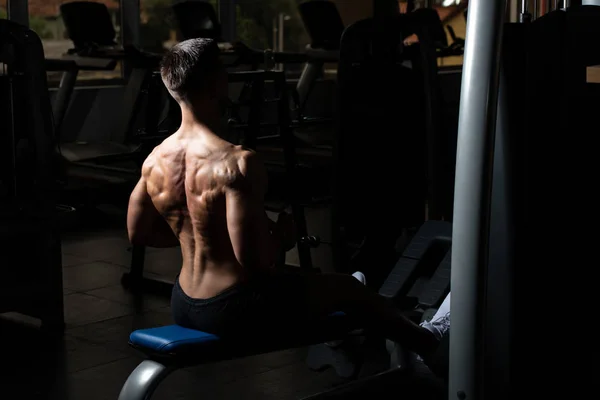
{"points": [[190, 66]]}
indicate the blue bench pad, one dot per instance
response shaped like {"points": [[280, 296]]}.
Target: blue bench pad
{"points": [[177, 343], [167, 339]]}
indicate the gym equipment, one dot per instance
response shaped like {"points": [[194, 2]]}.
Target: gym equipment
{"points": [[417, 284], [171, 347], [372, 57], [90, 28], [28, 190], [430, 17], [135, 279], [325, 27], [70, 66], [457, 47], [477, 127], [504, 171], [199, 19], [417, 383]]}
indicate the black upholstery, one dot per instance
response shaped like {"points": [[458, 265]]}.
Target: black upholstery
{"points": [[28, 188], [197, 19], [323, 24], [28, 159], [88, 24]]}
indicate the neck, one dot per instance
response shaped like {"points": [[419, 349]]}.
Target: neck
{"points": [[207, 119]]}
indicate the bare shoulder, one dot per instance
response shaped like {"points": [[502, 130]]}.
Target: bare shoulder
{"points": [[168, 153], [238, 170], [251, 168], [151, 163], [250, 163]]}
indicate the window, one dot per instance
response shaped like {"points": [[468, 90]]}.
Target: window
{"points": [[452, 16], [274, 24], [158, 29], [3, 12], [45, 20]]}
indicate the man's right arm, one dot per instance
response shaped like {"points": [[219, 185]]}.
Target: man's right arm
{"points": [[247, 222]]}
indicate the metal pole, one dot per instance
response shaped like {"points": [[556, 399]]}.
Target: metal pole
{"points": [[525, 15], [281, 22], [228, 19], [274, 46], [130, 23], [476, 129], [18, 11], [512, 12]]}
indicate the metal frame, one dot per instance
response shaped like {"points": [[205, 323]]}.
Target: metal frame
{"points": [[144, 380], [475, 148]]}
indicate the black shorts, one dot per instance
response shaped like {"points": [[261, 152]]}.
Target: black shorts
{"points": [[264, 305]]}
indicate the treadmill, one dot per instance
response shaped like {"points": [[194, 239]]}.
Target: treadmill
{"points": [[325, 28], [118, 159]]}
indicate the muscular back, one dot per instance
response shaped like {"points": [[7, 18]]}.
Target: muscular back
{"points": [[189, 181]]}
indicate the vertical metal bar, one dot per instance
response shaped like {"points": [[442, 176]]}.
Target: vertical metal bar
{"points": [[130, 22], [18, 11], [129, 31], [477, 119], [228, 20], [281, 22], [14, 195], [280, 32], [525, 15], [274, 45], [63, 98], [512, 11], [291, 166]]}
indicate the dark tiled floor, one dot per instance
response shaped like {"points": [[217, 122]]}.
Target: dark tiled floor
{"points": [[92, 360]]}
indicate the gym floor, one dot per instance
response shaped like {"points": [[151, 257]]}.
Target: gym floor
{"points": [[92, 360]]}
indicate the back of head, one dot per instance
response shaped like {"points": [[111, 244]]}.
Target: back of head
{"points": [[191, 68]]}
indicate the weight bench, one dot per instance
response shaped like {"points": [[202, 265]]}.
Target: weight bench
{"points": [[173, 347]]}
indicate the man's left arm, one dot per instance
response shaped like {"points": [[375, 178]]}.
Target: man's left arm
{"points": [[145, 225]]}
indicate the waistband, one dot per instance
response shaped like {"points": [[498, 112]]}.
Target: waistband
{"points": [[224, 295]]}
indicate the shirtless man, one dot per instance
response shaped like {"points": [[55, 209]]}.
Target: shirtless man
{"points": [[206, 195]]}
